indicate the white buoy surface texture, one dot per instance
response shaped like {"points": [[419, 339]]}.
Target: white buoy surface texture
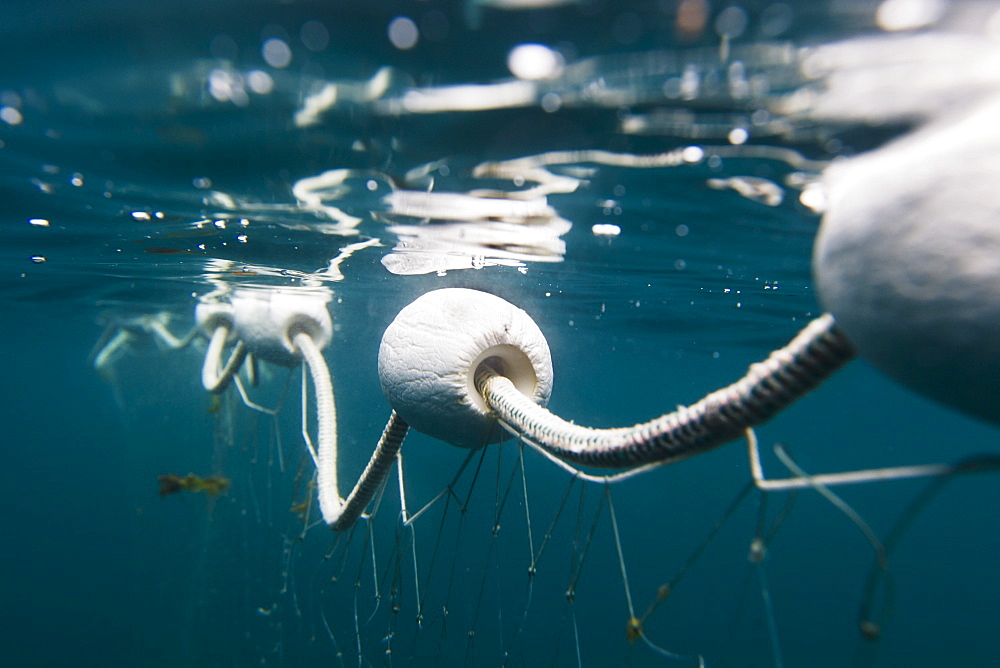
{"points": [[429, 355], [268, 319], [213, 314], [908, 258]]}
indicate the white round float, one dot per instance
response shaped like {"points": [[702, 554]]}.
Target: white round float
{"points": [[908, 259], [430, 353], [267, 319]]}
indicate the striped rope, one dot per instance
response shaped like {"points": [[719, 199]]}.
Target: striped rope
{"points": [[374, 474], [724, 415]]}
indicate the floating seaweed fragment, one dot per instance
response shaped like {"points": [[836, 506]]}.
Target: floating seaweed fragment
{"points": [[171, 483]]}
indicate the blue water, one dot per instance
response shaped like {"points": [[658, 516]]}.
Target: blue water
{"points": [[133, 185]]}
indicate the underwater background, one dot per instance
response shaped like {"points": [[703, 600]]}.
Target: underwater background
{"points": [[155, 154]]}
